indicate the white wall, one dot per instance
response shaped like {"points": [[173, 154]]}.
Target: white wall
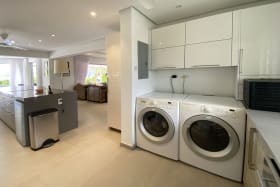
{"points": [[134, 27], [208, 81], [68, 82], [90, 60], [113, 58]]}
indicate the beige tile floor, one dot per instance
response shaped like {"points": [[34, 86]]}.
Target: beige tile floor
{"points": [[91, 156]]}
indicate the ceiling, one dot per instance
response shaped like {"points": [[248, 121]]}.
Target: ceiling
{"points": [[163, 11], [28, 21]]}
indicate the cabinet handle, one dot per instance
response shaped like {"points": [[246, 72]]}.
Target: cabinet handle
{"points": [[214, 65], [168, 67], [251, 159], [241, 52]]}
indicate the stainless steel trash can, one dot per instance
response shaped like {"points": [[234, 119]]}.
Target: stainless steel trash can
{"points": [[43, 128]]}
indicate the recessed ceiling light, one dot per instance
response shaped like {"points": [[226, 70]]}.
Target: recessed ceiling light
{"points": [[40, 41], [93, 14], [52, 35]]}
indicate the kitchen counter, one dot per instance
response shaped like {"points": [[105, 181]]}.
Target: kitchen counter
{"points": [[17, 104], [21, 94], [268, 126]]}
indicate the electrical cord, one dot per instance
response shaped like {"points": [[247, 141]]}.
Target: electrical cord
{"points": [[184, 80], [171, 82]]}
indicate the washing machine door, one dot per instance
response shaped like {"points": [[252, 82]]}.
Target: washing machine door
{"points": [[156, 125], [210, 137]]}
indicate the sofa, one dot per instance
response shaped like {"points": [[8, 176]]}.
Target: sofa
{"points": [[81, 91]]}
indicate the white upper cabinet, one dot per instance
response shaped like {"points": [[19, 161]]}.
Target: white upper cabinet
{"points": [[209, 41], [212, 54], [212, 28], [168, 58], [170, 36], [259, 52], [168, 47]]}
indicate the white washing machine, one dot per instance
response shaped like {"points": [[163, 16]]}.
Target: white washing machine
{"points": [[157, 123], [212, 135]]}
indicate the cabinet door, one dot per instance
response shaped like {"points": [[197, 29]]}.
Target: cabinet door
{"points": [[252, 156], [169, 36], [212, 28], [168, 58], [260, 40], [209, 54]]}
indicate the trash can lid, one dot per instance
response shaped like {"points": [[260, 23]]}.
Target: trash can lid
{"points": [[41, 112]]}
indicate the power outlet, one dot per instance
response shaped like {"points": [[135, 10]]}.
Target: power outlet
{"points": [[184, 76], [60, 101]]}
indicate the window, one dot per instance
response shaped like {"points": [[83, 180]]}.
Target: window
{"points": [[96, 74], [5, 74]]}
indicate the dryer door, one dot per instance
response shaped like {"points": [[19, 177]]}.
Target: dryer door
{"points": [[156, 125], [210, 137]]}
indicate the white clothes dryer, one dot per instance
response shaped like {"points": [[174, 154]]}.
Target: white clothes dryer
{"points": [[212, 133], [157, 123]]}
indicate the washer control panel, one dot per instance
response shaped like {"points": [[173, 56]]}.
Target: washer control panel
{"points": [[157, 103]]}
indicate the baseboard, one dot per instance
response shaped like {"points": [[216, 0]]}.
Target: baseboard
{"points": [[131, 147]]}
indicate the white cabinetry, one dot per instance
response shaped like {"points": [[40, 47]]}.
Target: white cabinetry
{"points": [[209, 41], [212, 28], [168, 47], [168, 58], [170, 36], [212, 54], [259, 40], [253, 157]]}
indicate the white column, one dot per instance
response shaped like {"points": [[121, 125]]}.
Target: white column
{"points": [[39, 73], [28, 74], [13, 74]]}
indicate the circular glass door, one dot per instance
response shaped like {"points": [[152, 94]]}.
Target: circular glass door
{"points": [[156, 125], [210, 137]]}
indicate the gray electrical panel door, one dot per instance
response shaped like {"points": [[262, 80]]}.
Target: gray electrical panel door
{"points": [[143, 58]]}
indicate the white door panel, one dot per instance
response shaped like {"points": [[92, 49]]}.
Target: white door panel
{"points": [[209, 54], [168, 58], [260, 40], [169, 36], [212, 28]]}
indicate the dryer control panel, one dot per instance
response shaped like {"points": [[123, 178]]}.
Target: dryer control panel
{"points": [[157, 103]]}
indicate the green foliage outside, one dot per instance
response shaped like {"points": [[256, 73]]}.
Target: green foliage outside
{"points": [[4, 83], [96, 74]]}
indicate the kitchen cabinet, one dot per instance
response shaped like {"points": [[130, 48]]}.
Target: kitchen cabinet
{"points": [[259, 38], [168, 47], [253, 157], [168, 58], [7, 114], [209, 41], [211, 28], [169, 36], [212, 54]]}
